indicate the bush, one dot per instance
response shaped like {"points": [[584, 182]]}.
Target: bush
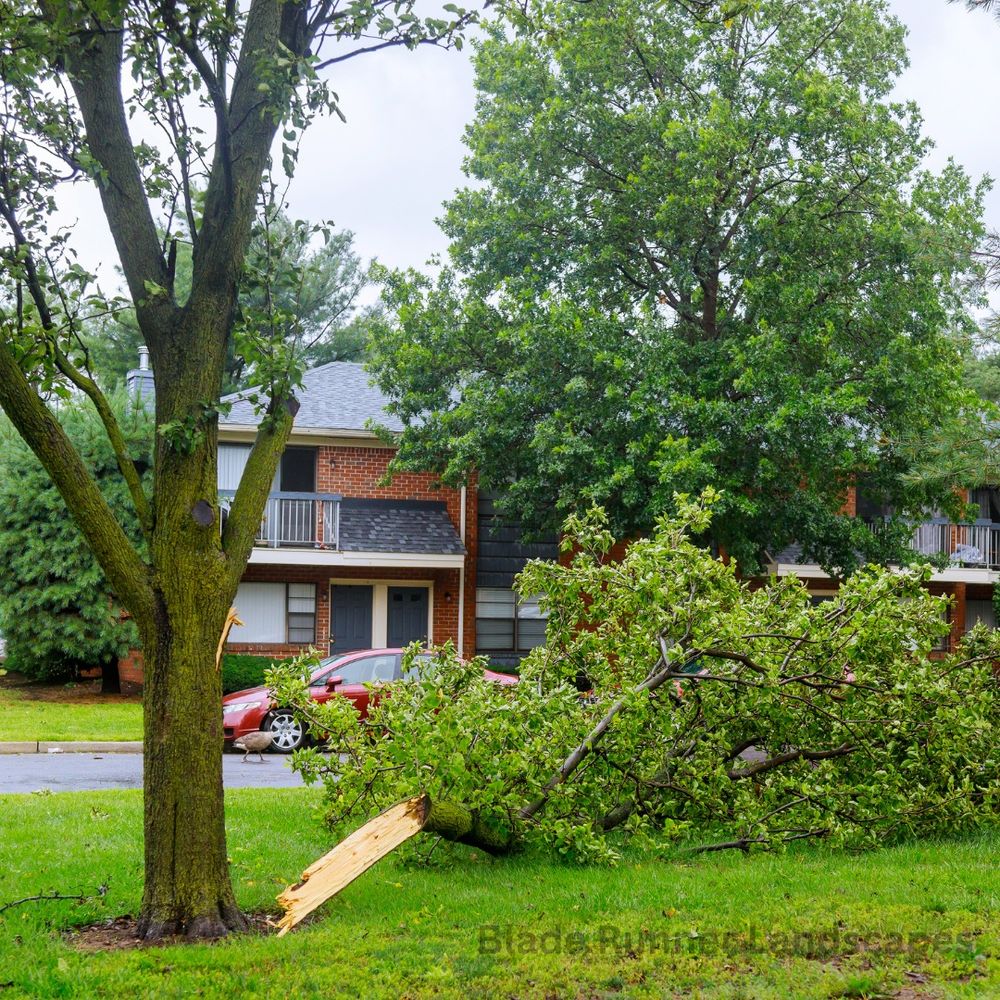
{"points": [[241, 671]]}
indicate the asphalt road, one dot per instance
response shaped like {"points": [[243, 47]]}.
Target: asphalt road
{"points": [[80, 772]]}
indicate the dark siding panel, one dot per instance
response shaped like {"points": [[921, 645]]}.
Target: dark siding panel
{"points": [[502, 554]]}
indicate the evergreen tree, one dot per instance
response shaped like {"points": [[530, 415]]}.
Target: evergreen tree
{"points": [[58, 613]]}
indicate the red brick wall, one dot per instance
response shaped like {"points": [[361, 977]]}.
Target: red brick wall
{"points": [[850, 507], [355, 472], [130, 672]]}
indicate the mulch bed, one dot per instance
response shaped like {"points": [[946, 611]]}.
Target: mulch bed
{"points": [[84, 692], [121, 934]]}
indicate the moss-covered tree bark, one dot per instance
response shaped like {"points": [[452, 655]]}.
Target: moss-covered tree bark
{"points": [[455, 822]]}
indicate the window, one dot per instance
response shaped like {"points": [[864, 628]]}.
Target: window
{"points": [[262, 609], [276, 612], [327, 670], [979, 611], [506, 625], [297, 472], [302, 612], [988, 500], [232, 461], [530, 625], [366, 670]]}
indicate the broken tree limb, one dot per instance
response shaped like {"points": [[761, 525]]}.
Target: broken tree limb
{"points": [[231, 619], [351, 858], [380, 836]]}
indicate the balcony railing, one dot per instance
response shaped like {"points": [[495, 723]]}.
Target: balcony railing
{"points": [[297, 520], [963, 544], [975, 545]]}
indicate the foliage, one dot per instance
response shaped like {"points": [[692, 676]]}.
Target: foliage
{"points": [[982, 376], [857, 735], [303, 295], [241, 671], [988, 5], [59, 615], [697, 251]]}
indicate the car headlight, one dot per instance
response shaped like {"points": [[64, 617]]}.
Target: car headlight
{"points": [[240, 706]]}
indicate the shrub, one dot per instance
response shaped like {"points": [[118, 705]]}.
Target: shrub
{"points": [[58, 614], [240, 671]]}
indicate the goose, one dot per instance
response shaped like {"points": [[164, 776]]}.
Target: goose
{"points": [[256, 743]]}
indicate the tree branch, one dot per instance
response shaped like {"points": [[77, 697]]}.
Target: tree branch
{"points": [[94, 64], [111, 427], [243, 522], [786, 758], [213, 84], [656, 678], [87, 385]]}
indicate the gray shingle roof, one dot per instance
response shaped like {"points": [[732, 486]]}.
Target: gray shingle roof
{"points": [[336, 397], [398, 526]]}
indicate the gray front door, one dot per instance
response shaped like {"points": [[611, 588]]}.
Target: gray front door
{"points": [[350, 619], [407, 616]]}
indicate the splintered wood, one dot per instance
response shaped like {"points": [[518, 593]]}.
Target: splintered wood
{"points": [[231, 619], [351, 858]]}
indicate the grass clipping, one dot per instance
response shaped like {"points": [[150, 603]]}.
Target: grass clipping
{"points": [[351, 858]]}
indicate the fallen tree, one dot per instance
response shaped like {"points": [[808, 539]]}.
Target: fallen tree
{"points": [[724, 713]]}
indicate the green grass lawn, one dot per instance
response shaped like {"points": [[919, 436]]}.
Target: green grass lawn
{"points": [[23, 719], [652, 928]]}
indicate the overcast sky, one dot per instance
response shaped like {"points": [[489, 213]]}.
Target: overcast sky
{"points": [[386, 172]]}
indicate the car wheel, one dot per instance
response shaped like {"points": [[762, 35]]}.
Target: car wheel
{"points": [[289, 731]]}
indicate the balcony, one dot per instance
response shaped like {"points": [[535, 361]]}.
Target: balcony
{"points": [[296, 520], [974, 545]]}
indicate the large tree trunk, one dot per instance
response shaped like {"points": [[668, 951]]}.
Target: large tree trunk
{"points": [[187, 885]]}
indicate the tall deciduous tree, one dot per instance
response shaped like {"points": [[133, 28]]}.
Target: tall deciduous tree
{"points": [[699, 251], [210, 85]]}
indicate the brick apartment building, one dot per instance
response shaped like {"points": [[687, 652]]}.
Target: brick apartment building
{"points": [[345, 561]]}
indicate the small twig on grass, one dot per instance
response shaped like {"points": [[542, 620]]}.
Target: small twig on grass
{"points": [[42, 897]]}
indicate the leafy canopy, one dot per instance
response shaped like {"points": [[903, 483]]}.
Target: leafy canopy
{"points": [[698, 251]]}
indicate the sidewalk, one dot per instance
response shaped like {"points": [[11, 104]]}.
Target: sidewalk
{"points": [[71, 746]]}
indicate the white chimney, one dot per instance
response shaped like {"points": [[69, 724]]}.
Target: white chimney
{"points": [[139, 381]]}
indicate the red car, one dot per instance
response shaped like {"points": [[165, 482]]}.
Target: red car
{"points": [[346, 675]]}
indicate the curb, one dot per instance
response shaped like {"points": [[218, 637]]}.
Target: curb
{"points": [[69, 746]]}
